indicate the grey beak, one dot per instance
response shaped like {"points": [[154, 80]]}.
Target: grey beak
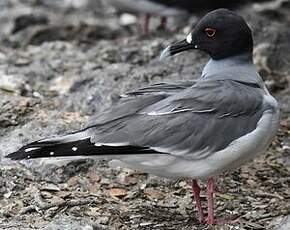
{"points": [[176, 48], [165, 53]]}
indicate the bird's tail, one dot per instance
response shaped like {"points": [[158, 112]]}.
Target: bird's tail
{"points": [[77, 144], [68, 145]]}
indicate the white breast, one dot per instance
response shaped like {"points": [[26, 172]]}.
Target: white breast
{"points": [[243, 149]]}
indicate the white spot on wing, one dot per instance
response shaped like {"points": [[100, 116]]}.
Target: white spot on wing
{"points": [[31, 149], [124, 95], [74, 149], [225, 115], [67, 138], [204, 111], [51, 153], [189, 38], [155, 113], [117, 144], [170, 150], [113, 144]]}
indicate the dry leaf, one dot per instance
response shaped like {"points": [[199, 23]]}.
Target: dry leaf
{"points": [[129, 180], [73, 181], [93, 177], [118, 192], [153, 193]]}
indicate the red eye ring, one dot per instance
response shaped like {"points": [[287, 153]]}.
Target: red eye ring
{"points": [[210, 32]]}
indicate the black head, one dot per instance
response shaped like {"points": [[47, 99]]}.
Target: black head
{"points": [[220, 33]]}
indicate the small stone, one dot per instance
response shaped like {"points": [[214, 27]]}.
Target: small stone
{"points": [[103, 220], [50, 187], [11, 83], [128, 19]]}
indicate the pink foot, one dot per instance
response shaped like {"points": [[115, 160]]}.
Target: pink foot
{"points": [[196, 195], [209, 192], [146, 24], [163, 21]]}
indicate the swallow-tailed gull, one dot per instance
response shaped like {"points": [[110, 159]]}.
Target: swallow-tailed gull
{"points": [[181, 10], [195, 129]]}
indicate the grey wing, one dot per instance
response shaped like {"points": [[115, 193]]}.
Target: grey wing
{"points": [[162, 88], [132, 102], [200, 119]]}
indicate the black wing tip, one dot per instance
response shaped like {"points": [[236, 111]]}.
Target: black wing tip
{"points": [[26, 152], [33, 150], [18, 155], [76, 148]]}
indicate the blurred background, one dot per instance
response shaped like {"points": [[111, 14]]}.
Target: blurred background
{"points": [[61, 61]]}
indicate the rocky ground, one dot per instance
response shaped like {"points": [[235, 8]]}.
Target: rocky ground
{"points": [[63, 61]]}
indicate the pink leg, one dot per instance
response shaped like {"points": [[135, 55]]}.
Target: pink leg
{"points": [[163, 21], [196, 192], [210, 191], [146, 24]]}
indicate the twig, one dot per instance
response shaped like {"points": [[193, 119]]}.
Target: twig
{"points": [[69, 203], [269, 195]]}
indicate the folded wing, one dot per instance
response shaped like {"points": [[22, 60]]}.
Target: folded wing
{"points": [[194, 122]]}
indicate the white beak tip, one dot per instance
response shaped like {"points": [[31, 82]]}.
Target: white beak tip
{"points": [[165, 53]]}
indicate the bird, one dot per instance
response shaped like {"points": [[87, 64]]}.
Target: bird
{"points": [[193, 130], [147, 8], [181, 10]]}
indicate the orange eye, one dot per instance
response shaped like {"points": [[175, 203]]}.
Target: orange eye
{"points": [[210, 32]]}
